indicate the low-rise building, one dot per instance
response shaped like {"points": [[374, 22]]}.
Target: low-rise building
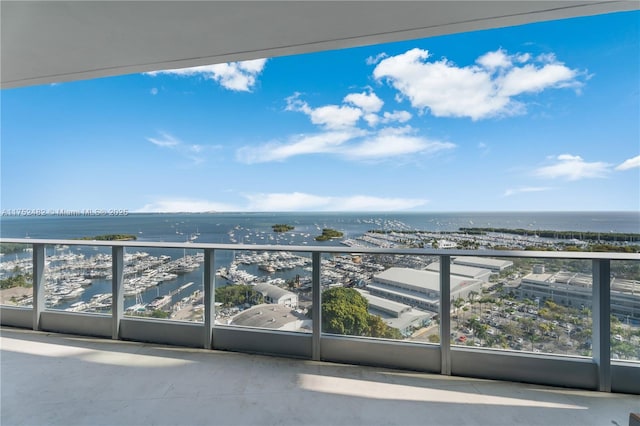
{"points": [[419, 288], [575, 290], [471, 272], [275, 294], [397, 315], [495, 265]]}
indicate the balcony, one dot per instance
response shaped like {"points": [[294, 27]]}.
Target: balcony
{"points": [[61, 379], [591, 369]]}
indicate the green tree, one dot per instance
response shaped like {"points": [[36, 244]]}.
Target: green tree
{"points": [[233, 295], [458, 304], [344, 311], [377, 328], [159, 314], [471, 296], [434, 338]]}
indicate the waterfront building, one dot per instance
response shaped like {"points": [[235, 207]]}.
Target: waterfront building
{"points": [[277, 295], [496, 265], [418, 288], [471, 272], [397, 315]]}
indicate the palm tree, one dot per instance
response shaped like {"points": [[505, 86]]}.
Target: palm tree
{"points": [[458, 304], [471, 296]]}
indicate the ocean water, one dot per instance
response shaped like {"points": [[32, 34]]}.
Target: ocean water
{"points": [[216, 227]]}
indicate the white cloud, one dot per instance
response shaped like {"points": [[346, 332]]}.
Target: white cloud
{"points": [[631, 163], [298, 201], [341, 136], [399, 116], [328, 116], [367, 102], [166, 141], [169, 205], [514, 191], [532, 79], [335, 116], [154, 91], [478, 91], [493, 60], [393, 142], [193, 152], [292, 201], [372, 60], [372, 119], [484, 148], [352, 144], [572, 167], [237, 76], [326, 142]]}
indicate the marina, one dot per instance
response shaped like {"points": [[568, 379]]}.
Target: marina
{"points": [[78, 278]]}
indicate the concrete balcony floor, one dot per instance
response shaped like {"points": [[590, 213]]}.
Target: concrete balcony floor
{"points": [[54, 379]]}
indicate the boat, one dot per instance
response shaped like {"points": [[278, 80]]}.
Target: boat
{"points": [[267, 267], [139, 307], [159, 302]]}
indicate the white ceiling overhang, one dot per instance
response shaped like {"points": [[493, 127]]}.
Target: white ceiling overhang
{"points": [[56, 41]]}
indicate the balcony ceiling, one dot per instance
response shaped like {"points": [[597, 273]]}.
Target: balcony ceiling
{"points": [[55, 41]]}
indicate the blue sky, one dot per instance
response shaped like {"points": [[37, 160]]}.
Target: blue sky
{"points": [[541, 117]]}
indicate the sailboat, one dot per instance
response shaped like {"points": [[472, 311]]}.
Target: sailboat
{"points": [[139, 307]]}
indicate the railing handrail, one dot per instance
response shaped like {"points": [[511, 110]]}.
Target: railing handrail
{"points": [[580, 255]]}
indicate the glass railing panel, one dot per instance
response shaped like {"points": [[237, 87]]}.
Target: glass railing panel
{"points": [[529, 305], [77, 278], [625, 310], [263, 289], [380, 296], [15, 275], [164, 283]]}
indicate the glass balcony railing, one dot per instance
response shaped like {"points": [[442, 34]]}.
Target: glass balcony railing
{"points": [[575, 314]]}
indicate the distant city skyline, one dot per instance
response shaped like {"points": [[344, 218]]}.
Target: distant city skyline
{"points": [[538, 117]]}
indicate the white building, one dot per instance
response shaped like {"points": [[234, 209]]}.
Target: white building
{"points": [[419, 288], [575, 290], [397, 315], [496, 265], [277, 295], [471, 272]]}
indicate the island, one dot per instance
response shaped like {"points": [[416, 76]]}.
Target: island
{"points": [[282, 228], [328, 233], [8, 248], [111, 237]]}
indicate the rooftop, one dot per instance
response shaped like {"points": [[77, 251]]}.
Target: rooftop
{"points": [[60, 379], [269, 316], [482, 261], [419, 280], [462, 270]]}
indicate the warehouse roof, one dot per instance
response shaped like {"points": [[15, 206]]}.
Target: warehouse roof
{"points": [[268, 316], [461, 270]]}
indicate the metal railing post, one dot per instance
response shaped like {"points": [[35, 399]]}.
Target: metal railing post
{"points": [[38, 284], [117, 289], [316, 306], [445, 315], [209, 297], [601, 318]]}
